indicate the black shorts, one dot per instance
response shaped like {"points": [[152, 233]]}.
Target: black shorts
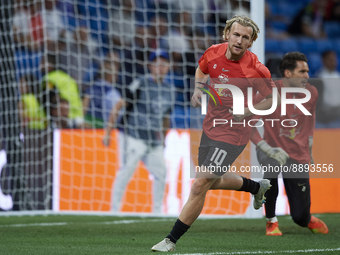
{"points": [[219, 156]]}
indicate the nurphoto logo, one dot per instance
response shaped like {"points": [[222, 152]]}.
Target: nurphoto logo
{"points": [[238, 99], [238, 102]]}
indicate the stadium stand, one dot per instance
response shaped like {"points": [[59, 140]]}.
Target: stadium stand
{"points": [[95, 14]]}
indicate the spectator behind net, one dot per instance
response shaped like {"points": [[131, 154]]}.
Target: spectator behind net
{"points": [[56, 109], [103, 95], [31, 113], [65, 84]]}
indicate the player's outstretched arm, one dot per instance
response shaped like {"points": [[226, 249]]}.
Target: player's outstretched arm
{"points": [[202, 78], [263, 105], [112, 120], [267, 102], [276, 153]]}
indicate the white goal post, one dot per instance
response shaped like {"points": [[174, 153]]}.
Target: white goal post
{"points": [[65, 167]]}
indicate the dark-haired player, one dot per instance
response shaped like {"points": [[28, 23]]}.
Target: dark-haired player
{"points": [[295, 148]]}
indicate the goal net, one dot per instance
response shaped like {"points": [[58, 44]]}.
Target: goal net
{"points": [[65, 65]]}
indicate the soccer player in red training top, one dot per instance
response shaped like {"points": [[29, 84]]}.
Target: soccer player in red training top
{"points": [[290, 147], [221, 145]]}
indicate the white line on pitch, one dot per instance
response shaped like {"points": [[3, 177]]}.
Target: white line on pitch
{"points": [[261, 252], [133, 221], [35, 224], [66, 223]]}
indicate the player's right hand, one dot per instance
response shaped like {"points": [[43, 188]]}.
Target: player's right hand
{"points": [[280, 155], [106, 140], [195, 100], [276, 153]]}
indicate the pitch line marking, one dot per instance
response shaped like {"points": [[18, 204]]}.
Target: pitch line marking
{"points": [[66, 223], [262, 252], [35, 224]]}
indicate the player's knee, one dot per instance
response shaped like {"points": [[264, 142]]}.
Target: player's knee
{"points": [[200, 186], [301, 219]]}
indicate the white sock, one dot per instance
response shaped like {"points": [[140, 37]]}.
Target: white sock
{"points": [[272, 220]]}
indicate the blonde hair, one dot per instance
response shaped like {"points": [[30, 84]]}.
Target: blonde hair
{"points": [[244, 21]]}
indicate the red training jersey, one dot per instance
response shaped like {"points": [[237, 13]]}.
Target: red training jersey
{"points": [[293, 140], [224, 71]]}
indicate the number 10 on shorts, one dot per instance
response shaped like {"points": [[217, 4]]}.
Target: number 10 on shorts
{"points": [[218, 156]]}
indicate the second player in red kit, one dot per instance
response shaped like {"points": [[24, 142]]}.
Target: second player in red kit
{"points": [[289, 147]]}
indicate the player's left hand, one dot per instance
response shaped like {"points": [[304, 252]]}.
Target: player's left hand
{"points": [[195, 100]]}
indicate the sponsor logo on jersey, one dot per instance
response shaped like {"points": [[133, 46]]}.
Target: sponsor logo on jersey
{"points": [[225, 92], [289, 133], [223, 78]]}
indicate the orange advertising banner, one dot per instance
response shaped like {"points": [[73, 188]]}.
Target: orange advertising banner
{"points": [[86, 169]]}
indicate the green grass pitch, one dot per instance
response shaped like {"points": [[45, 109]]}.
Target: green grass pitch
{"points": [[65, 234]]}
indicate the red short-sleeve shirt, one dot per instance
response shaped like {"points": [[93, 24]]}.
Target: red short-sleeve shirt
{"points": [[244, 73]]}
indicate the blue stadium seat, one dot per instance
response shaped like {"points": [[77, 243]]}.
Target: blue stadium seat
{"points": [[332, 29], [289, 45], [279, 25], [295, 2], [68, 14], [307, 45], [274, 8], [180, 117], [323, 45], [288, 9], [272, 45], [271, 1], [89, 12], [336, 46], [301, 2], [27, 62], [314, 63]]}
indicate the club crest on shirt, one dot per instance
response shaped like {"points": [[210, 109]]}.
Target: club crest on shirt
{"points": [[224, 92], [289, 133], [223, 78]]}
